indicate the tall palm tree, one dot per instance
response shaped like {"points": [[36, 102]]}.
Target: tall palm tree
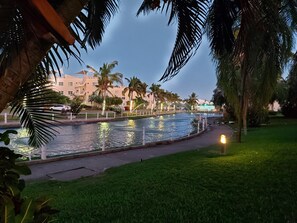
{"points": [[251, 41], [134, 85], [106, 80], [174, 98], [161, 98], [155, 91]]}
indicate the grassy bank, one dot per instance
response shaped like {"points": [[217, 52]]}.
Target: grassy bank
{"points": [[255, 182]]}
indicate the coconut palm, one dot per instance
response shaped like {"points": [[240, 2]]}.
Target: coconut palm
{"points": [[154, 92], [134, 86], [174, 98], [106, 80], [192, 100]]}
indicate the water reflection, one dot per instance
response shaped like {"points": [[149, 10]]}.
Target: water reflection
{"points": [[88, 137]]}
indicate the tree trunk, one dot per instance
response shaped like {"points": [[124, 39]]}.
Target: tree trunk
{"points": [[152, 108], [242, 98], [21, 66], [104, 103], [244, 115], [131, 101]]}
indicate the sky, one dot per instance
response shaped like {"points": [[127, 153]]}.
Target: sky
{"points": [[142, 46]]}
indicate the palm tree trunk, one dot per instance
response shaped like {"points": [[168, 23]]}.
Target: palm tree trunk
{"points": [[152, 107], [104, 103], [245, 108], [21, 66], [131, 102], [242, 98]]}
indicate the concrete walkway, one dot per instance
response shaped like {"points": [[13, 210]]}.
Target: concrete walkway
{"points": [[70, 169]]}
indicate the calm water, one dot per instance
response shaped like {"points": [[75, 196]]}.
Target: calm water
{"points": [[88, 137]]}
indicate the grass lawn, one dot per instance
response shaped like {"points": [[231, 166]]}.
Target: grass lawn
{"points": [[255, 182]]}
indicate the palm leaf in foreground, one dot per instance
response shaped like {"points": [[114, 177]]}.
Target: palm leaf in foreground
{"points": [[31, 105], [191, 15]]}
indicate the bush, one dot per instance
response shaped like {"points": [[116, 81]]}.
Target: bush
{"points": [[257, 117], [117, 110], [14, 207], [289, 110]]}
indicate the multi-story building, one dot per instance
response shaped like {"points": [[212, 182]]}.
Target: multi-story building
{"points": [[85, 85]]}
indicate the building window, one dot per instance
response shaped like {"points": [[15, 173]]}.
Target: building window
{"points": [[61, 92], [70, 92], [60, 83], [70, 84]]}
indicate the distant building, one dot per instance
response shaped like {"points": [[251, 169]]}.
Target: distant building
{"points": [[205, 105], [275, 106], [85, 85]]}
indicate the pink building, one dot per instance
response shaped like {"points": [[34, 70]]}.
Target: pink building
{"points": [[85, 85]]}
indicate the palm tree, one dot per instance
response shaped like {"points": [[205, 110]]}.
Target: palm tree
{"points": [[155, 91], [106, 79], [161, 98], [174, 98], [192, 100], [41, 32], [32, 37], [134, 85], [36, 37], [250, 49]]}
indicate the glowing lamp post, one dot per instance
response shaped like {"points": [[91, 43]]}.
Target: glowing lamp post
{"points": [[223, 141]]}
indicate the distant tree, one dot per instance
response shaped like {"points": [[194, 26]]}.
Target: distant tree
{"points": [[106, 79], [76, 105], [95, 98], [281, 92], [155, 90], [113, 101], [218, 97], [289, 107], [59, 98], [140, 102], [134, 86], [192, 100]]}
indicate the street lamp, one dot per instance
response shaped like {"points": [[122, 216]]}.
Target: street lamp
{"points": [[223, 141]]}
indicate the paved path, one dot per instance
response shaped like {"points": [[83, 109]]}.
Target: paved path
{"points": [[65, 170]]}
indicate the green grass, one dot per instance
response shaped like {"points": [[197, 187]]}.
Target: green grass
{"points": [[255, 182]]}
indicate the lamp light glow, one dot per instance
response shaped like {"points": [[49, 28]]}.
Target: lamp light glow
{"points": [[223, 139]]}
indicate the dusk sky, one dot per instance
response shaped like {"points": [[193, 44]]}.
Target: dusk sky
{"points": [[142, 46]]}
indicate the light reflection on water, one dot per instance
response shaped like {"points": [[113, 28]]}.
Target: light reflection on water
{"points": [[88, 137]]}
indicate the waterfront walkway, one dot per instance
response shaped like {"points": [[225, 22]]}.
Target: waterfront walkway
{"points": [[95, 164]]}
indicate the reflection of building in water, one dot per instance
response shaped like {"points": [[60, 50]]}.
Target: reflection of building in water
{"points": [[84, 85]]}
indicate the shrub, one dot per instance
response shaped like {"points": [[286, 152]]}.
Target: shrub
{"points": [[14, 207], [256, 117], [289, 110]]}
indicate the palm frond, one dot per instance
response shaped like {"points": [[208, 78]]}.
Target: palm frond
{"points": [[220, 24], [191, 15], [94, 19], [31, 105]]}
